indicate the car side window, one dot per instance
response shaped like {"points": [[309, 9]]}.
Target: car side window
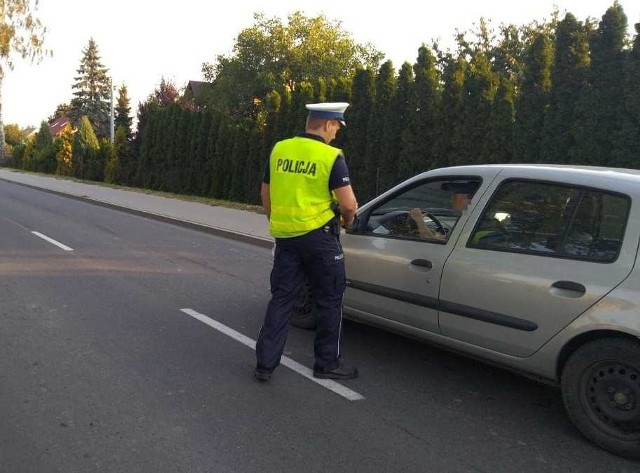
{"points": [[426, 211], [551, 219]]}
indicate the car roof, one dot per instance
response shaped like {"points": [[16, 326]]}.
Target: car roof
{"points": [[590, 174], [619, 180]]}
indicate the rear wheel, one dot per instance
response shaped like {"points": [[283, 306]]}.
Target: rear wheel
{"points": [[304, 309], [601, 393]]}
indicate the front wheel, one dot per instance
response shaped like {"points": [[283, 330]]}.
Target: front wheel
{"points": [[601, 393], [304, 314]]}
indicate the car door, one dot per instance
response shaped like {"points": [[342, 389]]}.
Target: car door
{"points": [[393, 272], [538, 256]]}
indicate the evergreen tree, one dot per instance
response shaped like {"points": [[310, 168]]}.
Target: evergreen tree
{"points": [[64, 157], [112, 166], [183, 148], [163, 146], [123, 113], [598, 128], [533, 100], [92, 92], [43, 137], [163, 96], [193, 161], [341, 92], [480, 87], [394, 164], [355, 133], [272, 110], [498, 144], [320, 88], [172, 156], [253, 167], [85, 148], [61, 111], [202, 169], [629, 155], [508, 55], [452, 142], [386, 85], [142, 146], [282, 126], [222, 148], [44, 153], [568, 75], [27, 154], [98, 163], [422, 130], [212, 155], [114, 169], [234, 185], [302, 95]]}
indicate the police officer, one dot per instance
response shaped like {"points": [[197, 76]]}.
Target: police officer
{"points": [[304, 179]]}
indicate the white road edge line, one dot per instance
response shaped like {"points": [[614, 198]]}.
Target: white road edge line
{"points": [[52, 241], [288, 362]]}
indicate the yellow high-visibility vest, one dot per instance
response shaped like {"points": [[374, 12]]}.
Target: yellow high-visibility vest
{"points": [[299, 170]]}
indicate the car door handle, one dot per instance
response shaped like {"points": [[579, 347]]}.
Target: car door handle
{"points": [[425, 263], [570, 286]]}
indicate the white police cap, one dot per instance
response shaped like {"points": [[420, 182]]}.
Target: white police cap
{"points": [[328, 110]]}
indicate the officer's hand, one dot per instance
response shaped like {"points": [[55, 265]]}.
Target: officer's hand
{"points": [[344, 223]]}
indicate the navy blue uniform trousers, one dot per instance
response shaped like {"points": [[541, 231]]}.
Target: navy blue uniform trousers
{"points": [[318, 256]]}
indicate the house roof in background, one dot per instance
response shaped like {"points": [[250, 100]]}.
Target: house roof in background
{"points": [[195, 85], [57, 125]]}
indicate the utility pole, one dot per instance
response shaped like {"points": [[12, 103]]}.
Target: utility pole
{"points": [[111, 117]]}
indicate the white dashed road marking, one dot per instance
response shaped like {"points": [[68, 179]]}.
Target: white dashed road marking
{"points": [[288, 362], [52, 241]]}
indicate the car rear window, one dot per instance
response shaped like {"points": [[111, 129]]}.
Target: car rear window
{"points": [[554, 220]]}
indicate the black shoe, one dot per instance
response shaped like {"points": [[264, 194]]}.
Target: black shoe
{"points": [[262, 374], [339, 372]]}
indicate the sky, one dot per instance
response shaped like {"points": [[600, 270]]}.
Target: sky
{"points": [[141, 42]]}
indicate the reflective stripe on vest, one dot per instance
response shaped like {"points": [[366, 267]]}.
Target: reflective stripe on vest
{"points": [[299, 186]]}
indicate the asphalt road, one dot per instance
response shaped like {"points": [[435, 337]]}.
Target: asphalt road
{"points": [[102, 370]]}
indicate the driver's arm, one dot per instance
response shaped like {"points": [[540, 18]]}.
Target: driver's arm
{"points": [[423, 230]]}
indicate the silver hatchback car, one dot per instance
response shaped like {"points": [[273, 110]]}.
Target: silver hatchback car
{"points": [[532, 267]]}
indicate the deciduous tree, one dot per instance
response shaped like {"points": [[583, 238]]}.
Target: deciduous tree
{"points": [[271, 54], [21, 36]]}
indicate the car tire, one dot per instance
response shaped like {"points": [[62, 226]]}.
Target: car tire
{"points": [[601, 393], [304, 313]]}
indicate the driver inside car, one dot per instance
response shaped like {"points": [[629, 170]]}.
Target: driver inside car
{"points": [[459, 202]]}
